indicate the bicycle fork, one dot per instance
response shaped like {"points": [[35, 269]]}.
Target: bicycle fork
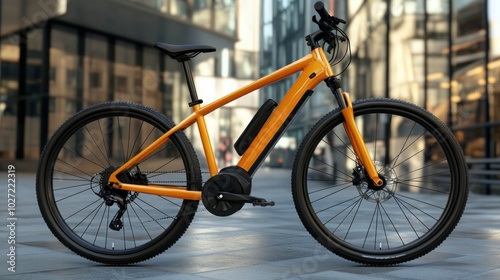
{"points": [[358, 144]]}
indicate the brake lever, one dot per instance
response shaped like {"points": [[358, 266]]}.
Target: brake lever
{"points": [[338, 20], [315, 20], [323, 25], [341, 38]]}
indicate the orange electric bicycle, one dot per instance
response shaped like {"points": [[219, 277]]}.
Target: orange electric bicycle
{"points": [[377, 181]]}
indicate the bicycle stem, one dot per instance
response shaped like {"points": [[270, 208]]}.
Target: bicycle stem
{"points": [[358, 144]]}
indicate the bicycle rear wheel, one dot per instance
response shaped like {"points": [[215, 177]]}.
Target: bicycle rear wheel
{"points": [[425, 175], [78, 205]]}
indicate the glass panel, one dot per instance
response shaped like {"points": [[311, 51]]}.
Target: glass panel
{"points": [[159, 5], [494, 72], [9, 71], [266, 61], [469, 80], [151, 79], [367, 33], [438, 78], [128, 77], [34, 93], [63, 76], [96, 73], [179, 8], [407, 52], [202, 12], [219, 15], [357, 72], [225, 16], [377, 48]]}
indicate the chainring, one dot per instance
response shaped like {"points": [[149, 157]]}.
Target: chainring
{"points": [[210, 195]]}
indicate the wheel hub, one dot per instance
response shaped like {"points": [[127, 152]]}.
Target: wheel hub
{"points": [[105, 190], [368, 191], [119, 197]]}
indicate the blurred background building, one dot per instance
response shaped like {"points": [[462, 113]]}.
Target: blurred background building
{"points": [[443, 55], [60, 56]]}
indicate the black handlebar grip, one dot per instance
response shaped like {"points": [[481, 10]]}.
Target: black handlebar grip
{"points": [[320, 8]]}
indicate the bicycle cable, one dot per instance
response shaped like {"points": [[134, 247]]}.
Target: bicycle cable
{"points": [[336, 50]]}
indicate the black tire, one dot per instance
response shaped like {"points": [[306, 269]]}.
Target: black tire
{"points": [[425, 193], [73, 168]]}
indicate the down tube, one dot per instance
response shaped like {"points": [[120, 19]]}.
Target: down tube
{"points": [[279, 121]]}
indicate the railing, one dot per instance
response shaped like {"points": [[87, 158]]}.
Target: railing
{"points": [[484, 173]]}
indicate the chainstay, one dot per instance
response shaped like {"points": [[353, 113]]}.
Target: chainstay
{"points": [[170, 182], [170, 172]]}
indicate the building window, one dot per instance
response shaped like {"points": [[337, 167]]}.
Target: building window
{"points": [[493, 78], [225, 16], [468, 89], [9, 67], [34, 93], [218, 15], [96, 70], [437, 76], [63, 84], [126, 71]]}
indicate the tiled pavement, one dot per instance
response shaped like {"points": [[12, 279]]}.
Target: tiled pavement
{"points": [[255, 243]]}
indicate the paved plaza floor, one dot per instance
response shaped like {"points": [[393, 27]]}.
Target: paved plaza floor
{"points": [[255, 243]]}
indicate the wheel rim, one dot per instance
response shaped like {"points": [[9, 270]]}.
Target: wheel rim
{"points": [[80, 163], [412, 207]]}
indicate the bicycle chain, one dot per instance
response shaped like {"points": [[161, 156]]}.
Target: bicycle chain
{"points": [[133, 196], [169, 172], [170, 182]]}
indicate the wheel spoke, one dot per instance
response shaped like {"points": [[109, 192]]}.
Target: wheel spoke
{"points": [[421, 170], [80, 203]]}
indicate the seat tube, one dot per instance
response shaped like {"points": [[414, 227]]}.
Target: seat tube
{"points": [[200, 120], [206, 143]]}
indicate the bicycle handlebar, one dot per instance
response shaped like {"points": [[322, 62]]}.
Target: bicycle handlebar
{"points": [[327, 24], [320, 9]]}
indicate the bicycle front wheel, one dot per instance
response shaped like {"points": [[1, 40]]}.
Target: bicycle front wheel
{"points": [[423, 198], [98, 222]]}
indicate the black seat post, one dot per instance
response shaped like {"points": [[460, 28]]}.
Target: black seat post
{"points": [[190, 83]]}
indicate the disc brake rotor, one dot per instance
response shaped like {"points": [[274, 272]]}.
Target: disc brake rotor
{"points": [[375, 194]]}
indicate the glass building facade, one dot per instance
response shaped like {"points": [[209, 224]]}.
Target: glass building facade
{"points": [[57, 57], [443, 55]]}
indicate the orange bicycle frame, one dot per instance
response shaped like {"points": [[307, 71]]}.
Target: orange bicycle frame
{"points": [[315, 69]]}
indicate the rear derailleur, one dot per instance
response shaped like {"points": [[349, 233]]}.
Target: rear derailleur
{"points": [[111, 195]]}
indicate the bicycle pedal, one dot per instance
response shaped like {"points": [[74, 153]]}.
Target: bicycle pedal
{"points": [[263, 203]]}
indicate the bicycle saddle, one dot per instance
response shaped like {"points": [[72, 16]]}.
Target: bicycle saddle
{"points": [[182, 52]]}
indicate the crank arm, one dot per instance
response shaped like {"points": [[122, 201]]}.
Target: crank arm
{"points": [[256, 201]]}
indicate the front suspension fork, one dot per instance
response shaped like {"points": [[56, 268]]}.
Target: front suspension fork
{"points": [[358, 144]]}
